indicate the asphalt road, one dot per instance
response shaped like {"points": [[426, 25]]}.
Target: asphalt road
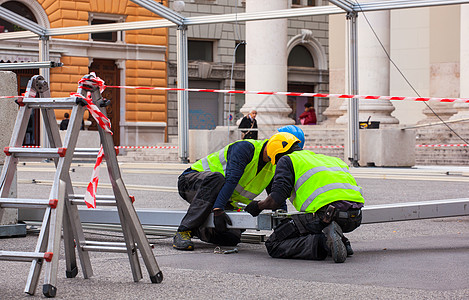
{"points": [[424, 259]]}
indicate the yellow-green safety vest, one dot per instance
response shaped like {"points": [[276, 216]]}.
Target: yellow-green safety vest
{"points": [[320, 180], [251, 184]]}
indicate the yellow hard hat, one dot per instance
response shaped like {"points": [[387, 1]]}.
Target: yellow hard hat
{"points": [[280, 143]]}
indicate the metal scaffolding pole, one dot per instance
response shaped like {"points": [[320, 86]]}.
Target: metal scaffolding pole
{"points": [[161, 10], [29, 65], [352, 106], [183, 96]]}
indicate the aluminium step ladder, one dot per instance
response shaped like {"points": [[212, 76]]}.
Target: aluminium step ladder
{"points": [[61, 207]]}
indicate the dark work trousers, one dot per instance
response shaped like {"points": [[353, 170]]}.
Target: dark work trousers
{"points": [[306, 241], [201, 189]]}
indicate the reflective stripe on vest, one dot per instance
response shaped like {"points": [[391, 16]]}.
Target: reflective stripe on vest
{"points": [[221, 157], [327, 188], [313, 171], [320, 180], [244, 193], [310, 173]]}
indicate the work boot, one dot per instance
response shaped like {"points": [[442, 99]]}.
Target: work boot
{"points": [[182, 241], [348, 247], [334, 235]]}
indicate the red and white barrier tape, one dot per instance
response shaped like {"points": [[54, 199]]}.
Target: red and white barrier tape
{"points": [[441, 145], [309, 147], [90, 195], [95, 81], [342, 96], [102, 120], [147, 147], [306, 147], [322, 95]]}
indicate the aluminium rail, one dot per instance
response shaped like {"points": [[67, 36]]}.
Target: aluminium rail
{"points": [[381, 213]]}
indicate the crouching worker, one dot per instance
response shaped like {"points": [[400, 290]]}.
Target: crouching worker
{"points": [[237, 173], [322, 188]]}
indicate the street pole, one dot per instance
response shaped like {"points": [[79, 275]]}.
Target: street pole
{"points": [[352, 107], [182, 95]]}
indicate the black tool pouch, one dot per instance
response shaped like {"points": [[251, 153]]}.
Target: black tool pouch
{"points": [[301, 221], [286, 230]]}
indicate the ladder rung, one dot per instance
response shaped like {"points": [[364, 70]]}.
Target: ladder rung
{"points": [[104, 248], [35, 152], [98, 202], [98, 197], [25, 256], [91, 152], [27, 203], [49, 102], [99, 243]]}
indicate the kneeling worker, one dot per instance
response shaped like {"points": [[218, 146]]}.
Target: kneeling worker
{"points": [[320, 186], [237, 173]]}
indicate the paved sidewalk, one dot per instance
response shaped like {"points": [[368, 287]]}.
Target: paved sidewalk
{"points": [[425, 259]]}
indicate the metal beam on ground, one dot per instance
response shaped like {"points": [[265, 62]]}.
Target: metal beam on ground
{"points": [[381, 213]]}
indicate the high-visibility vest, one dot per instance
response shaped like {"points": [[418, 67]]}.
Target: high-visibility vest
{"points": [[320, 180], [251, 184]]}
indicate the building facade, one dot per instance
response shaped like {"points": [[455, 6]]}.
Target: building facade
{"points": [[136, 58], [428, 47], [217, 60]]}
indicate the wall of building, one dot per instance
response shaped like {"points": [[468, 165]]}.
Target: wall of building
{"points": [[140, 57], [425, 46], [220, 70]]}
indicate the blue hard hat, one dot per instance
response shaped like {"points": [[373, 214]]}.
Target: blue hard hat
{"points": [[296, 131]]}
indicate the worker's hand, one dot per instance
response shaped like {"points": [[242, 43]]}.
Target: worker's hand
{"points": [[220, 220], [253, 208]]}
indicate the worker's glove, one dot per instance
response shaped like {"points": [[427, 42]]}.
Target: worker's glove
{"points": [[220, 220], [253, 208]]}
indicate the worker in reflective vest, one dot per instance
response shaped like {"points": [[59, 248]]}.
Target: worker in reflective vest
{"points": [[319, 186], [235, 174]]}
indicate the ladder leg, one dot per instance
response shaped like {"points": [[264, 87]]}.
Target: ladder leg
{"points": [[49, 288], [72, 224], [125, 207], [71, 270], [156, 276], [41, 246], [131, 246], [77, 230]]}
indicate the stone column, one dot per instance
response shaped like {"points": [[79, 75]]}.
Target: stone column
{"points": [[463, 108], [337, 70], [266, 66], [444, 58], [8, 112], [373, 69]]}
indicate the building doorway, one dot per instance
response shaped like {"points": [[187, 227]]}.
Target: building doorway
{"points": [[297, 103], [107, 70]]}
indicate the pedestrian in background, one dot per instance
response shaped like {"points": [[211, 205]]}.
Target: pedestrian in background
{"points": [[64, 123], [249, 121], [308, 117]]}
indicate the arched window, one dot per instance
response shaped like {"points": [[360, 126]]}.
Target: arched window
{"points": [[20, 9], [300, 57]]}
